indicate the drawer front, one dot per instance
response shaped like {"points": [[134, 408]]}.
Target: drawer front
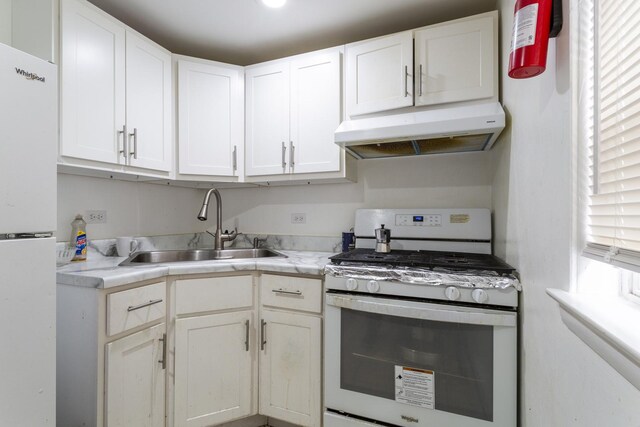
{"points": [[293, 293], [214, 294], [135, 307]]}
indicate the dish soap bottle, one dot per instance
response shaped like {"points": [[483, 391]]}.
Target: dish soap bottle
{"points": [[79, 238]]}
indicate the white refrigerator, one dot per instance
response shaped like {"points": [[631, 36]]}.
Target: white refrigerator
{"points": [[28, 149]]}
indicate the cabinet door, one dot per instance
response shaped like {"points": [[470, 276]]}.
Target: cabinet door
{"points": [[213, 369], [456, 61], [210, 121], [92, 83], [290, 368], [315, 113], [267, 119], [379, 74], [135, 379], [148, 104]]}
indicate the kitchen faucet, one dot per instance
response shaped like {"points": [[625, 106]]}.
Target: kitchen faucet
{"points": [[219, 237]]}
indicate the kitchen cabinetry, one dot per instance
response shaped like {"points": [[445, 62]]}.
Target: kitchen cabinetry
{"points": [[453, 61], [290, 349], [111, 355], [135, 379], [115, 94], [210, 119], [215, 352], [293, 108], [457, 61], [379, 74], [226, 355]]}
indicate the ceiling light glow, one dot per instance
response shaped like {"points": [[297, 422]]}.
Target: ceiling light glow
{"points": [[274, 3]]}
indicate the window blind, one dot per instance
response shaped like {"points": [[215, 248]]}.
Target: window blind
{"points": [[610, 48]]}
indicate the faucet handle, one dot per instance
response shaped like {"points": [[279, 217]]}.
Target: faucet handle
{"points": [[257, 241]]}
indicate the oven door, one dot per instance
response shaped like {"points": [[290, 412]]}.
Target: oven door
{"points": [[414, 363]]}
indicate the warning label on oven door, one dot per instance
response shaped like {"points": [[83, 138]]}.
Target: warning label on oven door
{"points": [[415, 387]]}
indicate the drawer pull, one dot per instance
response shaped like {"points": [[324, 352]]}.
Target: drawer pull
{"points": [[282, 291], [163, 362], [246, 335], [143, 305]]}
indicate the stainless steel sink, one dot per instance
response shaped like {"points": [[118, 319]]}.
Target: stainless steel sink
{"points": [[156, 257]]}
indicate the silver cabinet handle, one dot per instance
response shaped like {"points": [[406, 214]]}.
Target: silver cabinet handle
{"points": [[143, 305], [406, 78], [246, 335], [123, 132], [235, 158], [284, 153], [420, 83], [134, 153], [263, 334], [292, 151], [163, 361], [282, 291]]}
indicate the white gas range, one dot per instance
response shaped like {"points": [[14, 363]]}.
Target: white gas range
{"points": [[425, 335]]}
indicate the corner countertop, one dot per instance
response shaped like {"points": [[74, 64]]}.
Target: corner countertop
{"points": [[104, 272]]}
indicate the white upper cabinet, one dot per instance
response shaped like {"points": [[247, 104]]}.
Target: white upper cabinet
{"points": [[148, 97], [115, 90], [267, 119], [92, 84], [210, 118], [452, 62], [293, 109], [379, 74], [315, 113], [456, 61]]}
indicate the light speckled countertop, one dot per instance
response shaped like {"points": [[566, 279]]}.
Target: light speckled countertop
{"points": [[104, 272]]}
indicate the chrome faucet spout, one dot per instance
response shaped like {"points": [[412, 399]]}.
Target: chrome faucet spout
{"points": [[219, 236]]}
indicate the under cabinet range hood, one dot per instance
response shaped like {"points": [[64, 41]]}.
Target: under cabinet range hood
{"points": [[445, 130]]}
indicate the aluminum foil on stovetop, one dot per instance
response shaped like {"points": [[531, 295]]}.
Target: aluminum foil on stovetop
{"points": [[424, 276]]}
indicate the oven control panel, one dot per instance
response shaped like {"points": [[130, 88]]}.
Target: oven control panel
{"points": [[419, 220]]}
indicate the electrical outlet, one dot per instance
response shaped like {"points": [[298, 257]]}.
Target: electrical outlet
{"points": [[96, 217], [298, 218]]}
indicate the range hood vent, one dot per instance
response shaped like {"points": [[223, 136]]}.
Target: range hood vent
{"points": [[446, 130]]}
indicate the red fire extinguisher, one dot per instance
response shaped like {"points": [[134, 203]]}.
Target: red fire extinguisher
{"points": [[530, 38]]}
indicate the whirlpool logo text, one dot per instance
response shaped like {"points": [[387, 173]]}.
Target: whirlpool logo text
{"points": [[28, 75]]}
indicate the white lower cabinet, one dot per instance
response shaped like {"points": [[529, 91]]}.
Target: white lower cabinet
{"points": [[135, 379], [111, 355], [230, 363], [290, 367], [213, 371]]}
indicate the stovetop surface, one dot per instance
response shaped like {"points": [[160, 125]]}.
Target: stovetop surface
{"points": [[426, 259]]}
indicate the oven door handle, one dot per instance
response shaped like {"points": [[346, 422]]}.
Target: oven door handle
{"points": [[418, 310]]}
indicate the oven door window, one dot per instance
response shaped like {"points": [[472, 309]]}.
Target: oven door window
{"points": [[460, 355]]}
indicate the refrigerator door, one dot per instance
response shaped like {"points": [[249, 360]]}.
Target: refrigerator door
{"points": [[28, 142], [27, 329]]}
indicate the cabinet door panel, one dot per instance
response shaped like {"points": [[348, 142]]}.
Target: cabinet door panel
{"points": [[290, 368], [209, 118], [135, 380], [92, 84], [267, 125], [148, 104], [379, 74], [456, 62], [213, 369], [315, 113]]}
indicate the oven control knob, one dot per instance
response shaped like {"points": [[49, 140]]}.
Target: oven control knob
{"points": [[452, 293], [352, 284], [373, 286], [479, 296]]}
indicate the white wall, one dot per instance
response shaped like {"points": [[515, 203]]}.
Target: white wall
{"points": [[448, 181], [133, 208], [5, 22], [564, 383]]}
